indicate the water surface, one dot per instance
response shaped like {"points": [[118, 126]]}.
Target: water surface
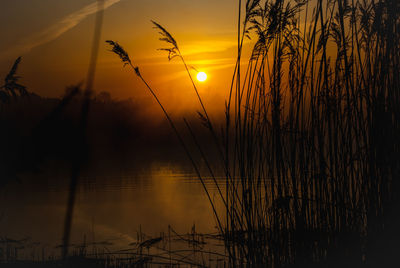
{"points": [[109, 208]]}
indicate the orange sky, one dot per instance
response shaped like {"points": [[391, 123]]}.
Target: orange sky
{"points": [[54, 39]]}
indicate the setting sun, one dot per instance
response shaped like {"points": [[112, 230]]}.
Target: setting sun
{"points": [[202, 76]]}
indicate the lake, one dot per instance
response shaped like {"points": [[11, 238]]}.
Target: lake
{"points": [[110, 209]]}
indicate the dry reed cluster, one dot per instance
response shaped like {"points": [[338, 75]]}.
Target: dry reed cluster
{"points": [[310, 145]]}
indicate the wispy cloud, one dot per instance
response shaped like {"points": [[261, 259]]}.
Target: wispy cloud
{"points": [[54, 31]]}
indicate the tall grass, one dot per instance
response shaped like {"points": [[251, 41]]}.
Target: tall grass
{"points": [[314, 132], [310, 145], [82, 151]]}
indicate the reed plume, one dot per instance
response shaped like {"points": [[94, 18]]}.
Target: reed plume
{"points": [[11, 87], [310, 148]]}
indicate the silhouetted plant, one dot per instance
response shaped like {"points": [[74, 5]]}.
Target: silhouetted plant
{"points": [[310, 143], [117, 49], [11, 87]]}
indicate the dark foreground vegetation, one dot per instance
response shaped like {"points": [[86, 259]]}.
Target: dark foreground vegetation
{"points": [[310, 144], [316, 145], [311, 147], [169, 249]]}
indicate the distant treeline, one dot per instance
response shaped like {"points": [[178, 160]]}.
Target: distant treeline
{"points": [[118, 136]]}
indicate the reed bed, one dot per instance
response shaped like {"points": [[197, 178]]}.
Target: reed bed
{"points": [[167, 249], [310, 145], [315, 121]]}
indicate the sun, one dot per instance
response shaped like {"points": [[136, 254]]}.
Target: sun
{"points": [[201, 76]]}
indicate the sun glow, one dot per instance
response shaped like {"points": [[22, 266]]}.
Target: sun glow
{"points": [[201, 76]]}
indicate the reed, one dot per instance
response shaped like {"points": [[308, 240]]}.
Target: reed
{"points": [[11, 89], [305, 136], [310, 148], [82, 150]]}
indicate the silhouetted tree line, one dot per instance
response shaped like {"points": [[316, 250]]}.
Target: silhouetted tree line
{"points": [[36, 129]]}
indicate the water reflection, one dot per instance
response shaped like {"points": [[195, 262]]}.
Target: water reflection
{"points": [[109, 208]]}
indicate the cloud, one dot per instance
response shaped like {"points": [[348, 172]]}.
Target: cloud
{"points": [[54, 31]]}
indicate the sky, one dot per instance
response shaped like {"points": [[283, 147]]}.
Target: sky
{"points": [[54, 39]]}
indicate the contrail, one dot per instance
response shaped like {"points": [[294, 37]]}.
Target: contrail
{"points": [[54, 31]]}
